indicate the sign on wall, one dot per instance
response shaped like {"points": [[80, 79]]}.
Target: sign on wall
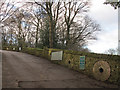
{"points": [[57, 55], [82, 62]]}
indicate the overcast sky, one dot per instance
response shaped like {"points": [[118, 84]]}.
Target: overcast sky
{"points": [[107, 17]]}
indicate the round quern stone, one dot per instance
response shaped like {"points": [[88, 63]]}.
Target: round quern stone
{"points": [[101, 70]]}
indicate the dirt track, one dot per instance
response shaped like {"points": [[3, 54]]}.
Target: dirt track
{"points": [[22, 70]]}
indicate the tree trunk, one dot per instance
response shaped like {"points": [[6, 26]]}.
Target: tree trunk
{"points": [[36, 42], [68, 35], [51, 32]]}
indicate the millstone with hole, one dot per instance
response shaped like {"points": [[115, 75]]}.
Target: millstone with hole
{"points": [[101, 70]]}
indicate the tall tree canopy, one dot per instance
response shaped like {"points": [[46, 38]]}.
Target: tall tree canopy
{"points": [[63, 25]]}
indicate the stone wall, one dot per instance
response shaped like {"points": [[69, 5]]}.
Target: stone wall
{"points": [[71, 59]]}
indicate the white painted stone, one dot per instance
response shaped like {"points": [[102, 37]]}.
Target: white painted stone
{"points": [[13, 48], [20, 48]]}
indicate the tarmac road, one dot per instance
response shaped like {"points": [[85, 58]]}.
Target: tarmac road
{"points": [[21, 70]]}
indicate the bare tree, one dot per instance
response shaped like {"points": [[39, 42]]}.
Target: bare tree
{"points": [[72, 9], [53, 10], [80, 32], [15, 23], [58, 20], [118, 51], [4, 35], [8, 8], [38, 16], [113, 3], [111, 51]]}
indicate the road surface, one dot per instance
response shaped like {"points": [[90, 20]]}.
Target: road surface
{"points": [[21, 70]]}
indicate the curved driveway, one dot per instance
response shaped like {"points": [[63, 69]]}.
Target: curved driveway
{"points": [[21, 70]]}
